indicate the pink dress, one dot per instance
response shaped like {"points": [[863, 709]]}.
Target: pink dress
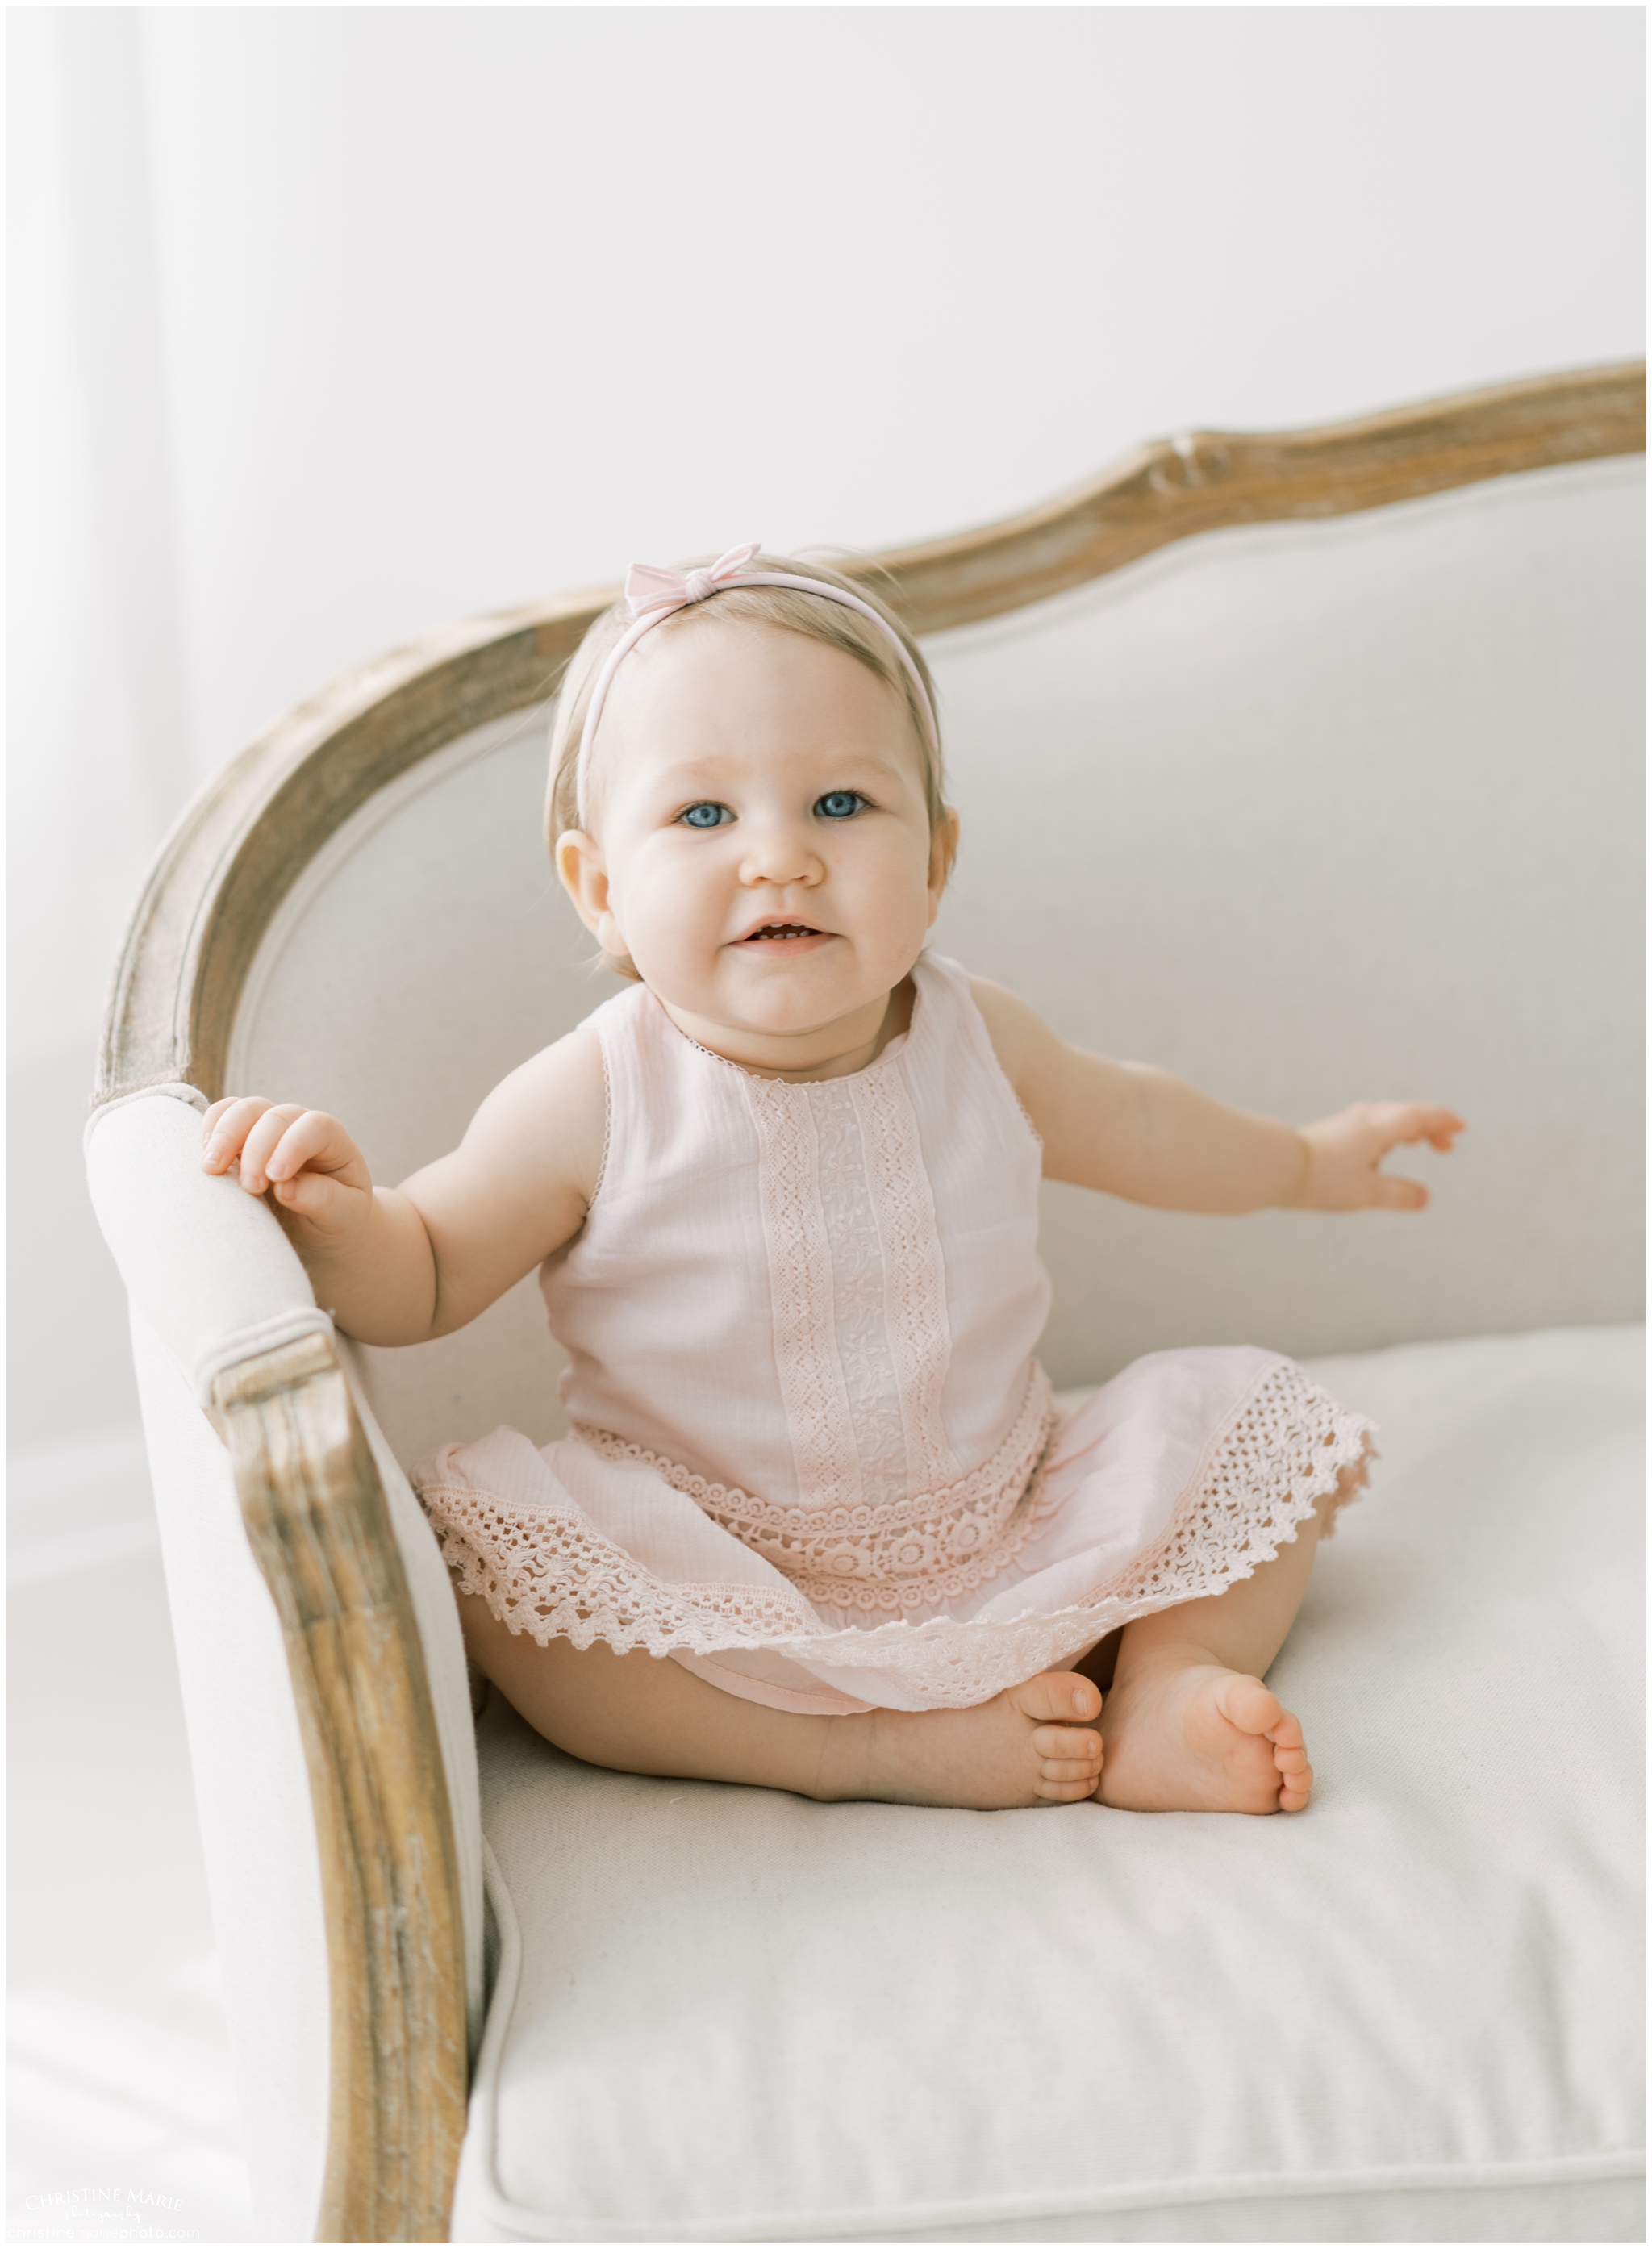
{"points": [[813, 1458]]}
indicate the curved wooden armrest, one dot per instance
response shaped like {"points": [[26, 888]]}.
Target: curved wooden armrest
{"points": [[319, 1527]]}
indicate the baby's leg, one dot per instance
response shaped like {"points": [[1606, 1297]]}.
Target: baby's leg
{"points": [[1188, 1726], [637, 1714]]}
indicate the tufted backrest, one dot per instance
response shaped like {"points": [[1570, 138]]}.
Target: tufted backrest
{"points": [[1303, 811]]}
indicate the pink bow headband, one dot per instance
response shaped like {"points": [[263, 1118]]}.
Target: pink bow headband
{"points": [[656, 595]]}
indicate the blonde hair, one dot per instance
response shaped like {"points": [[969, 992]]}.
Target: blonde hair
{"points": [[828, 621]]}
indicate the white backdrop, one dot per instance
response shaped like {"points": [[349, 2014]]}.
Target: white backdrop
{"points": [[328, 324]]}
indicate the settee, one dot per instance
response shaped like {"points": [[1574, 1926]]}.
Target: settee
{"points": [[1306, 765]]}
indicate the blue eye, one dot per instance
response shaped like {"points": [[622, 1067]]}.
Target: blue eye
{"points": [[841, 803], [707, 815]]}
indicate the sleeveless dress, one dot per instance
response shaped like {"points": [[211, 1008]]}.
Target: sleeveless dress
{"points": [[812, 1457]]}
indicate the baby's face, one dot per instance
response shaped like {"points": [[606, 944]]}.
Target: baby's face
{"points": [[764, 853]]}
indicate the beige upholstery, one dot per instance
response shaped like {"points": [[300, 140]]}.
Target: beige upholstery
{"points": [[1307, 812], [1303, 811], [731, 2015]]}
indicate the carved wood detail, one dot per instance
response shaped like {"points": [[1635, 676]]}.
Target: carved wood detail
{"points": [[319, 1525], [1212, 480]]}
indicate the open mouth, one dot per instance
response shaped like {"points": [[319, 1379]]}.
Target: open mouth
{"points": [[779, 932]]}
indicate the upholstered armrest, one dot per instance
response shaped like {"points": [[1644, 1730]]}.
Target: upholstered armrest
{"points": [[210, 1268], [217, 1280]]}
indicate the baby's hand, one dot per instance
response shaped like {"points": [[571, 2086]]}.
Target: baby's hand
{"points": [[1345, 1151], [302, 1159]]}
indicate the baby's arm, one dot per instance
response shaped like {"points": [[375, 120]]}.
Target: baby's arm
{"points": [[399, 1265], [1139, 1133]]}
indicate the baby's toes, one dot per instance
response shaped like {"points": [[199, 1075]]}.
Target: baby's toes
{"points": [[1062, 1696], [1061, 1782], [1077, 1743], [1057, 1768], [1294, 1790], [1286, 1734], [1296, 1776], [1253, 1708]]}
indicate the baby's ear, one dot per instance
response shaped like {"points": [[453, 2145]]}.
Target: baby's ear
{"points": [[943, 851], [579, 863]]}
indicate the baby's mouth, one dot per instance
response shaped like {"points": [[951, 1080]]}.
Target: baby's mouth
{"points": [[775, 932]]}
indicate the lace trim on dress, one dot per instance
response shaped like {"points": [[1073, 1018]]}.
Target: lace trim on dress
{"points": [[549, 1572], [812, 1388], [905, 1554], [860, 1316], [857, 1285], [914, 1273]]}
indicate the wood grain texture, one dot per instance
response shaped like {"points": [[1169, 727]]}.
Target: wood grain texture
{"points": [[233, 856], [1212, 480], [319, 1525]]}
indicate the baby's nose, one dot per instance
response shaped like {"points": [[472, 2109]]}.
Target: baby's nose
{"points": [[778, 852]]}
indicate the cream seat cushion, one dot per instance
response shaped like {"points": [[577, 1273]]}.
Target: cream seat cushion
{"points": [[1413, 2013]]}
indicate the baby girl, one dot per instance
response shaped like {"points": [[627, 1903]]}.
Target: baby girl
{"points": [[819, 1524]]}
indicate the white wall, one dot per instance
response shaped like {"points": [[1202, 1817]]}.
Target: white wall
{"points": [[328, 324]]}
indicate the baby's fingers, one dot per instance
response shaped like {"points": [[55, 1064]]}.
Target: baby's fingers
{"points": [[312, 1196], [315, 1141], [225, 1127], [267, 1143], [1411, 1121], [1393, 1192]]}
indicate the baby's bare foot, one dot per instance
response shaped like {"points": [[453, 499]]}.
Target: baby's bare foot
{"points": [[1183, 1735], [1030, 1745]]}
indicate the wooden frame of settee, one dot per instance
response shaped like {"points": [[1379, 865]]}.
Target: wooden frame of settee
{"points": [[310, 1498]]}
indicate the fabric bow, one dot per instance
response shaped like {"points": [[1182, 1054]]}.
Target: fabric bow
{"points": [[648, 589]]}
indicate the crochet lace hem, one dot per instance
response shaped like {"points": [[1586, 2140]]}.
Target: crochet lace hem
{"points": [[547, 1571], [903, 1554]]}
